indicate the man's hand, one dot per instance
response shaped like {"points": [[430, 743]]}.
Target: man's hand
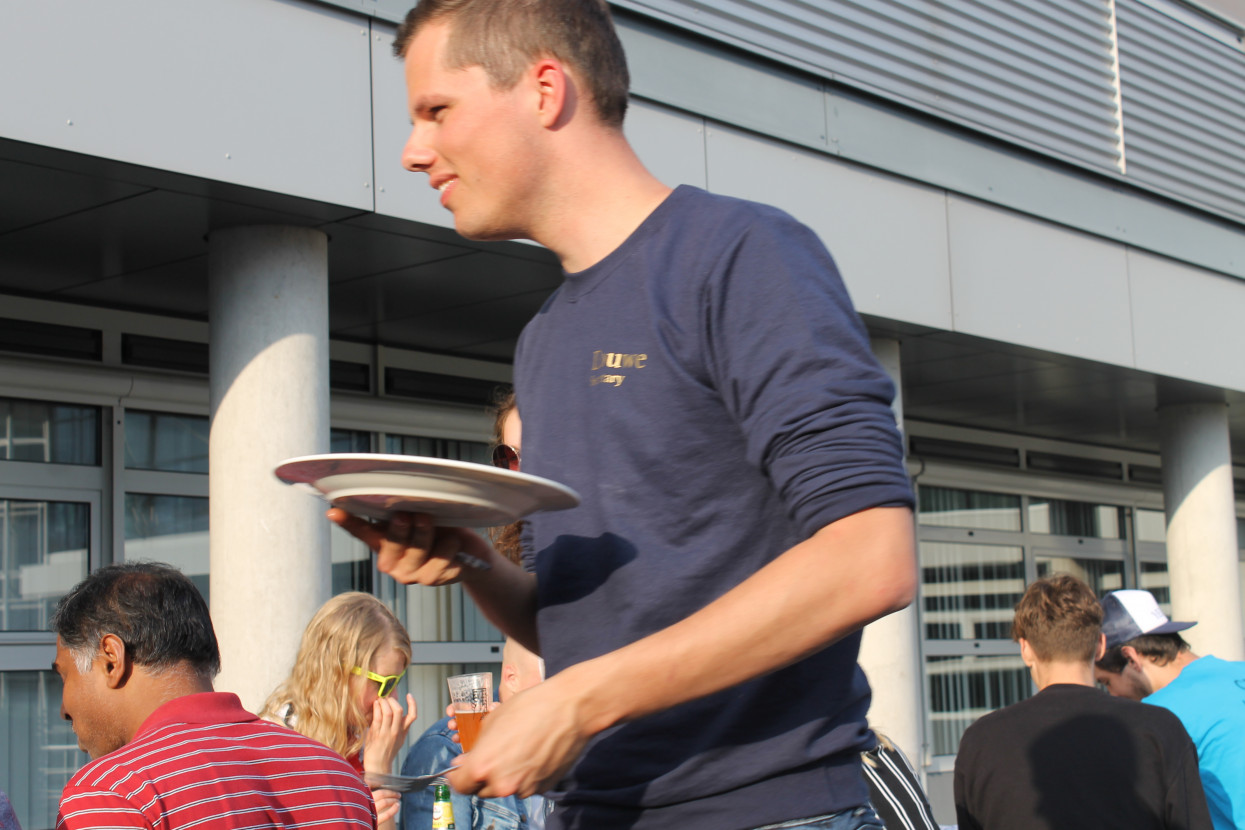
{"points": [[527, 745], [412, 549]]}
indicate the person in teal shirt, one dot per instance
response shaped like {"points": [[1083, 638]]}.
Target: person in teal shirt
{"points": [[1148, 660]]}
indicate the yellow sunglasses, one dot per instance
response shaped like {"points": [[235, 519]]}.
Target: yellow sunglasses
{"points": [[387, 684]]}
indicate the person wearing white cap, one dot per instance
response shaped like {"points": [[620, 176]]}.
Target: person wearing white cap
{"points": [[1147, 659]]}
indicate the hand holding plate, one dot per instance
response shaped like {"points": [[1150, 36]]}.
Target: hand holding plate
{"points": [[412, 549]]}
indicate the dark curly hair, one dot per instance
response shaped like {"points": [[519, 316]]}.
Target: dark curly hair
{"points": [[153, 608]]}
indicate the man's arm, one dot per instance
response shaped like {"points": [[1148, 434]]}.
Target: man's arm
{"points": [[848, 574], [94, 809], [963, 812], [1185, 806], [411, 549]]}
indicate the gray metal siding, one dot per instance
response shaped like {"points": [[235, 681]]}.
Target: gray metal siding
{"points": [[1184, 109], [1038, 74]]}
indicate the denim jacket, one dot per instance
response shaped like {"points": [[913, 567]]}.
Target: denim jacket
{"points": [[434, 751]]}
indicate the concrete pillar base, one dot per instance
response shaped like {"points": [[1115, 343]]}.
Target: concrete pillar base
{"points": [[270, 566], [890, 650], [1202, 551]]}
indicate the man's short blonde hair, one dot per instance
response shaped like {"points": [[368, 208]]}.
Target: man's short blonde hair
{"points": [[504, 37]]}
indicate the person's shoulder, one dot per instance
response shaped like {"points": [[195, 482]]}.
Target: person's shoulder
{"points": [[126, 762], [1215, 668], [1145, 715], [731, 208]]}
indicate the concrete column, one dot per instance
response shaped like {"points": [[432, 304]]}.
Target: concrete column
{"points": [[1202, 557], [890, 652], [270, 401]]}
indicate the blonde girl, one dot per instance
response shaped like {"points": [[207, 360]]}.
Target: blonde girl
{"points": [[340, 692]]}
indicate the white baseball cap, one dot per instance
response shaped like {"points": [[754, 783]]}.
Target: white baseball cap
{"points": [[1129, 614]]}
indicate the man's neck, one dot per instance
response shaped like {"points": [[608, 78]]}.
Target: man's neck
{"points": [[1053, 672], [601, 196], [149, 692]]}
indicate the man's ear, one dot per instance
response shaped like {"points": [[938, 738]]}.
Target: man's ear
{"points": [[510, 676], [556, 92], [116, 660], [1131, 655], [1026, 652], [1102, 647]]}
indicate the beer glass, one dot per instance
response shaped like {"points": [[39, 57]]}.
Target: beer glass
{"points": [[471, 695]]}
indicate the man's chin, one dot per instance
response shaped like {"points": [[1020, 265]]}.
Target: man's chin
{"points": [[484, 231]]}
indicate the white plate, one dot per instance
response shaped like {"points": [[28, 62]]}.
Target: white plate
{"points": [[455, 493]]}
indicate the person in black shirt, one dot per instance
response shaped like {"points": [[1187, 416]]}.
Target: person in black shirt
{"points": [[1072, 756]]}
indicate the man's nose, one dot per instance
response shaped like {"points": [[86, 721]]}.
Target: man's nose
{"points": [[417, 156]]}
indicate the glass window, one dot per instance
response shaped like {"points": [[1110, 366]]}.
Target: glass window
{"points": [[171, 529], [39, 752], [43, 553], [166, 441], [349, 440], [969, 591], [945, 507], [1099, 574], [49, 432], [351, 563], [476, 451], [963, 688], [1150, 526], [1154, 578], [1075, 518]]}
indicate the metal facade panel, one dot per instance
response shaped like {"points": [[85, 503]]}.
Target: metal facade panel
{"points": [[1187, 321], [1040, 74], [1017, 280], [670, 143], [270, 95], [1184, 109], [887, 235], [744, 92]]}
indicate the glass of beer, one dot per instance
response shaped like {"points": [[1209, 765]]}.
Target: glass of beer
{"points": [[471, 695]]}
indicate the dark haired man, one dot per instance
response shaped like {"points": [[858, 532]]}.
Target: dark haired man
{"points": [[136, 652], [1147, 659], [703, 382], [1070, 756]]}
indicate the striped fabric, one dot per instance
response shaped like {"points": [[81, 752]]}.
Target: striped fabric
{"points": [[202, 761], [895, 790]]}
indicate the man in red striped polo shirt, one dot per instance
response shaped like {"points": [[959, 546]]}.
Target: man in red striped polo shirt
{"points": [[137, 653]]}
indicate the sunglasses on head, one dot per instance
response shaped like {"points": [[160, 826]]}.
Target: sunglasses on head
{"points": [[387, 684], [506, 457]]}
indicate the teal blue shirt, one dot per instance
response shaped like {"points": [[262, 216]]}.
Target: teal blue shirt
{"points": [[1209, 698]]}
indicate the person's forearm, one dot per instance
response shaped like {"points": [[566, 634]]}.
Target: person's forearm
{"points": [[848, 574], [506, 595]]}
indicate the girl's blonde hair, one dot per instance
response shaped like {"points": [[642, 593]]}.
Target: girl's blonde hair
{"points": [[348, 630]]}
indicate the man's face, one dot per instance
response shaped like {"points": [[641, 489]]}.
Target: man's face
{"points": [[1129, 683], [84, 705], [474, 142]]}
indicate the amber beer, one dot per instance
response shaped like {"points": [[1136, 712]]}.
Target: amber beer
{"points": [[471, 694], [469, 724]]}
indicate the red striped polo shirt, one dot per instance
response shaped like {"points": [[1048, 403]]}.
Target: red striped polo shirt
{"points": [[203, 761]]}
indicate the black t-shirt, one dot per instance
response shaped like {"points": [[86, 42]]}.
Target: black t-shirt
{"points": [[1074, 757]]}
